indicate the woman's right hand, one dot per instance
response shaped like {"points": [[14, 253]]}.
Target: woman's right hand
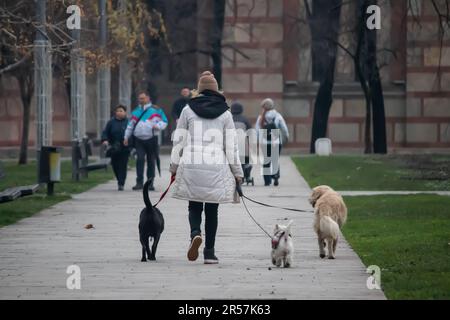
{"points": [[173, 169]]}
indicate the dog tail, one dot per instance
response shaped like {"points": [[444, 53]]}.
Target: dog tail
{"points": [[329, 228], [147, 201]]}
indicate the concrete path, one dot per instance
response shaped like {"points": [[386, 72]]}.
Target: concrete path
{"points": [[35, 252], [398, 193]]}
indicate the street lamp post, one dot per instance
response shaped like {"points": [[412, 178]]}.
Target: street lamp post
{"points": [[104, 74], [77, 99], [42, 81]]}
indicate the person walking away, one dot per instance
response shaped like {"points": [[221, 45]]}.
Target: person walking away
{"points": [[270, 120], [242, 125], [147, 121], [180, 103], [112, 136], [211, 179]]}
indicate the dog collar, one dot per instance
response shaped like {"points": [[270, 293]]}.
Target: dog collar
{"points": [[276, 239]]}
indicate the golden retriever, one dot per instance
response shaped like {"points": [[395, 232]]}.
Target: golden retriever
{"points": [[330, 216]]}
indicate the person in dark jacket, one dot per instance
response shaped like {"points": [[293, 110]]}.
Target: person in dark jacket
{"points": [[242, 125], [112, 136], [240, 121], [180, 103]]}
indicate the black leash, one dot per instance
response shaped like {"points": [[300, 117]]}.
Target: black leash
{"points": [[254, 220], [241, 194]]}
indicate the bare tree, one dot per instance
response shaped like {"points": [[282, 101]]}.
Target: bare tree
{"points": [[323, 20]]}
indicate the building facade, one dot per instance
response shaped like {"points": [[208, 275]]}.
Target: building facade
{"points": [[266, 52]]}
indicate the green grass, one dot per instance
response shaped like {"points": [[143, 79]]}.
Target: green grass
{"points": [[408, 237], [376, 172], [16, 175]]}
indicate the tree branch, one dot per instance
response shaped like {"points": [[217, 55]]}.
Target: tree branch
{"points": [[14, 65]]}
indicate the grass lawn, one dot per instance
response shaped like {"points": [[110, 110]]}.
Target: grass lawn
{"points": [[408, 237], [421, 173], [16, 175]]}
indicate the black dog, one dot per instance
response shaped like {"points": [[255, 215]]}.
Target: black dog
{"points": [[151, 224]]}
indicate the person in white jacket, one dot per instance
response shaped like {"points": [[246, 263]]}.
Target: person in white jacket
{"points": [[205, 162], [270, 120], [146, 123]]}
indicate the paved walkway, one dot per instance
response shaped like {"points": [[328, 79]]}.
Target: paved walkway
{"points": [[35, 252]]}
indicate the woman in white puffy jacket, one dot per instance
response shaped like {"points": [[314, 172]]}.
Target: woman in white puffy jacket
{"points": [[205, 162]]}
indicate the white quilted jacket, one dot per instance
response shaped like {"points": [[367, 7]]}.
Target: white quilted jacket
{"points": [[205, 158]]}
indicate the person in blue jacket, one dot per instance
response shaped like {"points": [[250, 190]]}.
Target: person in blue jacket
{"points": [[146, 123], [112, 136]]}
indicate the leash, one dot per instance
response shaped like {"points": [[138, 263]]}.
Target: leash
{"points": [[254, 220], [172, 180], [241, 194]]}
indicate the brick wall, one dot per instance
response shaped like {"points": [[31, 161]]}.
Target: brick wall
{"points": [[428, 80], [417, 101], [253, 52]]}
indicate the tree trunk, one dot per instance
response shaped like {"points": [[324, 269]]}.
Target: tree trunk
{"points": [[379, 117], [216, 54], [322, 108], [368, 124], [360, 72], [324, 22], [376, 91], [26, 92]]}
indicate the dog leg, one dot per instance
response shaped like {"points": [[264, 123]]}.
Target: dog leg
{"points": [[334, 246], [142, 240], [330, 248], [287, 261], [154, 246], [143, 259], [279, 261], [274, 261], [321, 247], [146, 248]]}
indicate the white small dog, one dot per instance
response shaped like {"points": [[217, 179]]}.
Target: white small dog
{"points": [[282, 246]]}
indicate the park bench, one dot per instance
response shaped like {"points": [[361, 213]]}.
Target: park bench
{"points": [[80, 159], [11, 194]]}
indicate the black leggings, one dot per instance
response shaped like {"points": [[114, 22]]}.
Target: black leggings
{"points": [[211, 218], [119, 163]]}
